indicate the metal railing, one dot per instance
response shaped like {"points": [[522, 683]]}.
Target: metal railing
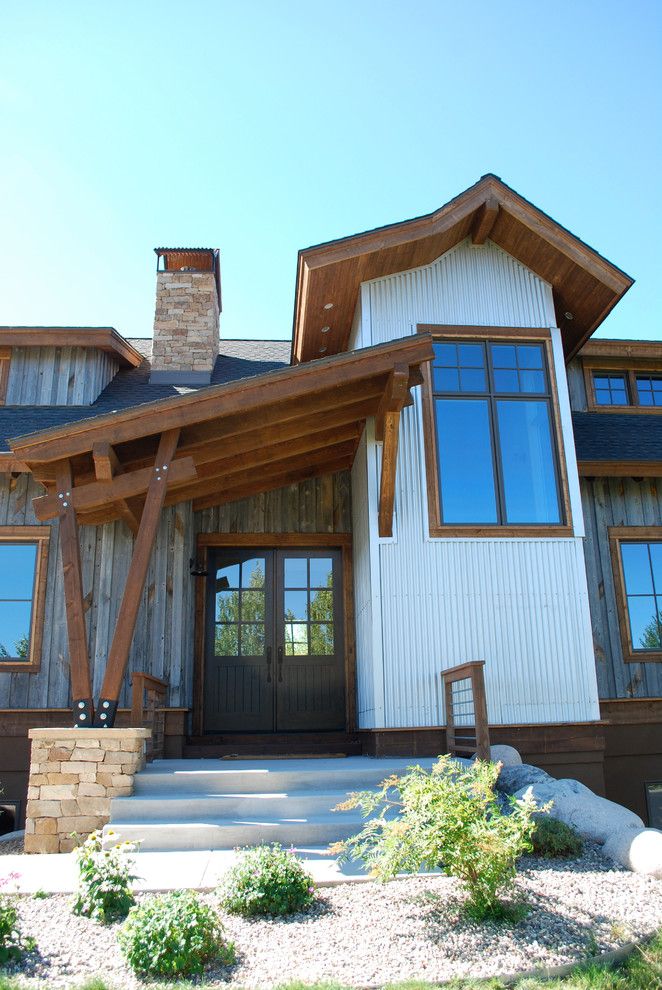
{"points": [[467, 728]]}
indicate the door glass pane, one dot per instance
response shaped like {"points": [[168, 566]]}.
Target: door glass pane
{"points": [[296, 572], [17, 566], [644, 626], [296, 639], [15, 618], [321, 606], [466, 468], [321, 639], [226, 642], [252, 573], [252, 640], [636, 569], [252, 606], [527, 460], [296, 605], [227, 577], [321, 572], [227, 606]]}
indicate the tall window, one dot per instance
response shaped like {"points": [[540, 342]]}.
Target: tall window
{"points": [[493, 420], [637, 559], [23, 561]]}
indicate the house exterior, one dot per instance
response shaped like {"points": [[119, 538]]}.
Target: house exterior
{"points": [[298, 536]]}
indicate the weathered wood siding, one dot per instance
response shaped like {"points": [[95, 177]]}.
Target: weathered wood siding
{"points": [[616, 502], [576, 385], [58, 376], [164, 637]]}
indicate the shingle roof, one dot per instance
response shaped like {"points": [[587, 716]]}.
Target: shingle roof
{"points": [[617, 437], [131, 387]]}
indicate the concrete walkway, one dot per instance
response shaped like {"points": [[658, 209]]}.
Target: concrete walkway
{"points": [[158, 871]]}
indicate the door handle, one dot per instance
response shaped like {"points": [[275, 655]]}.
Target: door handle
{"points": [[268, 665], [280, 663]]}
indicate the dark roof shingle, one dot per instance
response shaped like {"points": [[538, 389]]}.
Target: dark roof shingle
{"points": [[617, 436]]}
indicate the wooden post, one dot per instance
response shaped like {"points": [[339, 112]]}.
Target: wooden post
{"points": [[81, 683], [387, 480], [118, 655]]}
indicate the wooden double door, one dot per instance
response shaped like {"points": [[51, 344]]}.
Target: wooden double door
{"points": [[274, 645]]}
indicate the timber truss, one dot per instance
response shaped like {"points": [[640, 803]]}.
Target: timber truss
{"points": [[217, 445]]}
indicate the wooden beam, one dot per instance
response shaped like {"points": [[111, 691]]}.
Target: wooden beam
{"points": [[102, 338], [106, 461], [620, 469], [81, 682], [394, 399], [86, 498], [118, 655], [485, 220], [387, 480], [12, 465]]}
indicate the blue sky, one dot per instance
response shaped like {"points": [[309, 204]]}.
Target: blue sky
{"points": [[263, 127]]}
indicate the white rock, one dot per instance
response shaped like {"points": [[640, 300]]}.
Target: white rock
{"points": [[638, 849], [594, 817], [507, 755]]}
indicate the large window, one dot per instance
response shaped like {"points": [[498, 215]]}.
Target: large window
{"points": [[23, 564], [494, 456], [637, 560]]}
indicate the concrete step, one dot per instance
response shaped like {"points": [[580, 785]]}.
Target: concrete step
{"points": [[155, 807], [233, 833]]}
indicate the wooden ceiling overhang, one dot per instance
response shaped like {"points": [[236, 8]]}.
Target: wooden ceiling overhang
{"points": [[586, 286], [234, 440], [100, 338]]}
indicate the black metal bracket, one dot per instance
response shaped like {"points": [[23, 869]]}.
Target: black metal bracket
{"points": [[105, 714], [84, 713]]}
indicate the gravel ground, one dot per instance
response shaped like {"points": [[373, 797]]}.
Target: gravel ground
{"points": [[11, 847], [363, 934]]}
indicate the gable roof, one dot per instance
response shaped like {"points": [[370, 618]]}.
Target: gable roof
{"points": [[585, 284], [100, 338]]}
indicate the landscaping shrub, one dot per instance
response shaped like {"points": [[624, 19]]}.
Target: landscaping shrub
{"points": [[267, 880], [554, 839], [13, 944], [173, 935], [104, 879], [447, 819]]}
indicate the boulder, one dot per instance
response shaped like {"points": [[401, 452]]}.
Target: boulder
{"points": [[513, 778], [637, 849], [594, 817], [507, 755]]}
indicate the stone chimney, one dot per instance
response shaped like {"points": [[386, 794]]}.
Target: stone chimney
{"points": [[188, 304]]}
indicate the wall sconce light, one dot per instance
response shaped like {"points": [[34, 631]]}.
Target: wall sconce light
{"points": [[197, 567]]}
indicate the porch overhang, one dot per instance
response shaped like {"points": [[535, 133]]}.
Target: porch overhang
{"points": [[234, 440]]}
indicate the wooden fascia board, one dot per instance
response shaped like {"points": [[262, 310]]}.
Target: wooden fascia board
{"points": [[151, 418], [620, 469], [102, 338], [9, 464], [635, 350]]}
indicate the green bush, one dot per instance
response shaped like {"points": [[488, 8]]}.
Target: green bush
{"points": [[173, 935], [447, 819], [554, 839], [13, 944], [104, 879], [267, 880]]}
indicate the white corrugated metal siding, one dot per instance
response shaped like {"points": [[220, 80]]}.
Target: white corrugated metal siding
{"points": [[519, 604]]}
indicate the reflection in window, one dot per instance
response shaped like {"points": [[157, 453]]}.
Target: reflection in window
{"points": [[642, 575], [610, 389], [240, 609], [649, 390], [308, 606], [17, 578], [496, 455]]}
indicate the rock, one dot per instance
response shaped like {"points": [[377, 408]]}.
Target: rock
{"points": [[513, 778], [638, 849], [507, 755], [594, 817]]}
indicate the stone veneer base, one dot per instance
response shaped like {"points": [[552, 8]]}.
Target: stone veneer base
{"points": [[74, 774]]}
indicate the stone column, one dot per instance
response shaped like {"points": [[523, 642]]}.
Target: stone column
{"points": [[74, 774]]}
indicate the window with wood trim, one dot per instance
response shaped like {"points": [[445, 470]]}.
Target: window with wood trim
{"points": [[622, 388], [23, 571], [493, 442], [637, 563]]}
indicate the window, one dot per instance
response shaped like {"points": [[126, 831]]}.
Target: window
{"points": [[637, 563], [610, 388], [493, 457], [622, 388], [23, 566], [649, 390]]}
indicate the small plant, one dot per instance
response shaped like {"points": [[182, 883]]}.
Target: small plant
{"points": [[447, 819], [173, 935], [267, 880], [553, 839], [104, 879], [40, 895], [13, 944]]}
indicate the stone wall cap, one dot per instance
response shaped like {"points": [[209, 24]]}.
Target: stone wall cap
{"points": [[75, 732]]}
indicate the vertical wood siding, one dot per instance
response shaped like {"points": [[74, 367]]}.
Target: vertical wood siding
{"points": [[519, 604], [616, 502], [50, 376], [576, 385], [163, 640]]}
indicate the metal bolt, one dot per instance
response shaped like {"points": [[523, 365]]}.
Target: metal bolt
{"points": [[82, 716]]}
